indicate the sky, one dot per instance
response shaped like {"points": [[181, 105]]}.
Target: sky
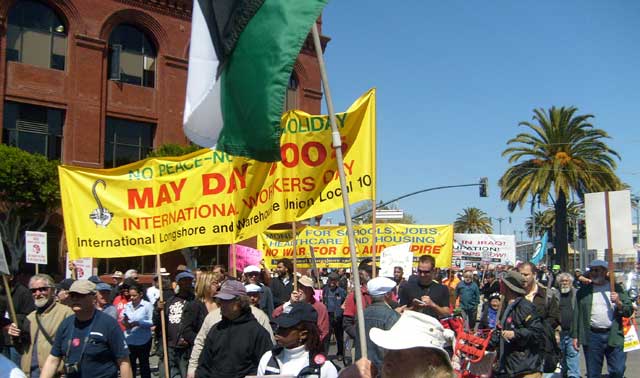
{"points": [[454, 79]]}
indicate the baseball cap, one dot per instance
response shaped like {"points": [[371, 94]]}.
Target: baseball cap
{"points": [[253, 288], [494, 295], [334, 276], [251, 269], [298, 312], [117, 274], [599, 263], [95, 279], [413, 330], [64, 284], [231, 289], [380, 286], [83, 287], [555, 267], [184, 275], [103, 287], [514, 281]]}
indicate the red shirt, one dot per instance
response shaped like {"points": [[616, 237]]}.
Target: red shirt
{"points": [[350, 302], [119, 302]]}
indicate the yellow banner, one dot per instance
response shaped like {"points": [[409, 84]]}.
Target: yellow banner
{"points": [[330, 244], [208, 197]]}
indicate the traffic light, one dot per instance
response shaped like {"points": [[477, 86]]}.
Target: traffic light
{"points": [[582, 229], [484, 190]]}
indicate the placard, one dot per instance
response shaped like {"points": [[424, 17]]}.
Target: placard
{"points": [[36, 247]]}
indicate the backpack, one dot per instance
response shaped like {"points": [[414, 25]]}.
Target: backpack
{"points": [[551, 349]]}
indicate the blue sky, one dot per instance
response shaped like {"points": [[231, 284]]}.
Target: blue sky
{"points": [[454, 79]]}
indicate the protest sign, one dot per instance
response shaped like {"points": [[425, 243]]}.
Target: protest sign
{"points": [[4, 267], [331, 245], [36, 247], [397, 255], [246, 256], [83, 266], [476, 249], [208, 197], [629, 327]]}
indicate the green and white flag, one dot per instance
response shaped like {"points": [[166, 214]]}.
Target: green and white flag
{"points": [[240, 60]]}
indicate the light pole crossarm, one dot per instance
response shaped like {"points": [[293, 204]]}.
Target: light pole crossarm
{"points": [[413, 194]]}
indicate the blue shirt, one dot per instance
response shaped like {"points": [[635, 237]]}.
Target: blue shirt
{"points": [[104, 345], [143, 314]]}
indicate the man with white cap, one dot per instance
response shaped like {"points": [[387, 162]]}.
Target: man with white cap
{"points": [[597, 322], [254, 292], [378, 314], [253, 276], [414, 348]]}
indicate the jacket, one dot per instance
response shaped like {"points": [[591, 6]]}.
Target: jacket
{"points": [[523, 354], [281, 292], [581, 324], [233, 348], [377, 315], [469, 295], [50, 319], [547, 307]]}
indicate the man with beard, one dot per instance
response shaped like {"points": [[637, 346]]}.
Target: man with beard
{"points": [[570, 361], [597, 322], [234, 346], [41, 324], [89, 342], [282, 286]]}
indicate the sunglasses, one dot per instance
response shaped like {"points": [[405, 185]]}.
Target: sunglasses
{"points": [[424, 272], [43, 289]]}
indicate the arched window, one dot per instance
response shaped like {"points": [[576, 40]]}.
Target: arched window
{"points": [[132, 56], [291, 99], [36, 35]]}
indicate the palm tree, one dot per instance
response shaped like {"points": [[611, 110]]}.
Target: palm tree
{"points": [[473, 221], [547, 219], [563, 154]]}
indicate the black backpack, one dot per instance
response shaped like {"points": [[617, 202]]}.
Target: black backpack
{"points": [[551, 349]]}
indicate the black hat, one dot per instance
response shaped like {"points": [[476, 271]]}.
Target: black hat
{"points": [[64, 284], [299, 312], [514, 281], [334, 276], [494, 295]]}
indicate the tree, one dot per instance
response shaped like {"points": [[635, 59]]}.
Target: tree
{"points": [[473, 221], [29, 196], [547, 219], [562, 154], [368, 217]]}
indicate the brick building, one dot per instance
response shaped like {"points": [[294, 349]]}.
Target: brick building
{"points": [[100, 83]]}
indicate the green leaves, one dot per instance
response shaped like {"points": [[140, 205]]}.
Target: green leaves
{"points": [[473, 221]]}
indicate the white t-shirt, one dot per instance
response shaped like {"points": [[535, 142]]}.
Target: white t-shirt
{"points": [[292, 361], [9, 368], [601, 308], [153, 293]]}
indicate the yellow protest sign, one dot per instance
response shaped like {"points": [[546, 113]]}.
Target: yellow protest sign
{"points": [[331, 245], [208, 197]]}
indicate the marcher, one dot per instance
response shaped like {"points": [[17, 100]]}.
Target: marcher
{"points": [[398, 277], [89, 342], [299, 348], [424, 294], [231, 287], [178, 347], [62, 291], [570, 362], [490, 315], [282, 285], [41, 325], [333, 296], [597, 322], [121, 301], [23, 305], [234, 346], [379, 315], [254, 292], [252, 275], [365, 272], [103, 292], [117, 278], [468, 293], [520, 340], [138, 320], [153, 291]]}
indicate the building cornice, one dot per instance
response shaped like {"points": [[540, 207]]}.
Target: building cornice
{"points": [[174, 8]]}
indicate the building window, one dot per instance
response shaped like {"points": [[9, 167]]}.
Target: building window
{"points": [[36, 35], [127, 141], [132, 56], [35, 129], [291, 98]]}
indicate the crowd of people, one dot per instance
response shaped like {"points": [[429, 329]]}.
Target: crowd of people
{"points": [[283, 323]]}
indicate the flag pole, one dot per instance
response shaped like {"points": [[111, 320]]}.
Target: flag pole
{"points": [[234, 272], [165, 351], [12, 309], [373, 237], [337, 145], [295, 255]]}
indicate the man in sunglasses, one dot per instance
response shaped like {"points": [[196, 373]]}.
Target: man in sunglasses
{"points": [[41, 324], [425, 294]]}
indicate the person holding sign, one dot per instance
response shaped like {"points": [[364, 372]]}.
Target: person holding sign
{"points": [[23, 305], [597, 322]]}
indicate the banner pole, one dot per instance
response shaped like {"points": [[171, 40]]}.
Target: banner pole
{"points": [[37, 270], [234, 260], [12, 309], [314, 265], [165, 351], [295, 255], [612, 276], [373, 238], [337, 145]]}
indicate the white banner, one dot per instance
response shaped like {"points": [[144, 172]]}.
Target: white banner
{"points": [[397, 255], [477, 249], [36, 247], [620, 218], [4, 267]]}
